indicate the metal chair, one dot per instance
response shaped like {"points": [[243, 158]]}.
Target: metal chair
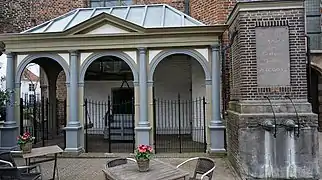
{"points": [[204, 167], [118, 161], [10, 170]]}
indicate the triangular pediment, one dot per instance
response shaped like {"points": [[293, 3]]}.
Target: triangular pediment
{"points": [[105, 28], [105, 24]]}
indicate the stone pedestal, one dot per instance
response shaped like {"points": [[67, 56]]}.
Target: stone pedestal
{"points": [[8, 138], [217, 138], [143, 135], [271, 130], [260, 152], [74, 140]]}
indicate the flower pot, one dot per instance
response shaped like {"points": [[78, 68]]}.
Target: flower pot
{"points": [[26, 148], [143, 164]]}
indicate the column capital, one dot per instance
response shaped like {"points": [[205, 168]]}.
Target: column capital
{"points": [[142, 50], [10, 54], [73, 52], [215, 47]]}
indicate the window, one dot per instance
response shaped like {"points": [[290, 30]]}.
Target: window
{"points": [[32, 98], [31, 87], [123, 101], [108, 3]]}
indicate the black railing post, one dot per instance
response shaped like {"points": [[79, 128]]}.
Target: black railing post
{"points": [[86, 125], [133, 122], [180, 141], [65, 121], [47, 118], [109, 124], [204, 124], [154, 126], [21, 116], [42, 112], [34, 113], [57, 117]]}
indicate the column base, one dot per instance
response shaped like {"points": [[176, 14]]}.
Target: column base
{"points": [[143, 135], [217, 138], [8, 138], [74, 140]]}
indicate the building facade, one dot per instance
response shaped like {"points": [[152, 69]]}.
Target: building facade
{"points": [[262, 107]]}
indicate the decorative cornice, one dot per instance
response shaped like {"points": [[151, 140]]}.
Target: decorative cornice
{"points": [[256, 5]]}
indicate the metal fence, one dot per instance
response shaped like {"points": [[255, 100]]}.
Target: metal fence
{"points": [[109, 126], [35, 117], [179, 125]]}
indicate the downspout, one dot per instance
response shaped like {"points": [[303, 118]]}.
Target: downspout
{"points": [[187, 7], [308, 70]]}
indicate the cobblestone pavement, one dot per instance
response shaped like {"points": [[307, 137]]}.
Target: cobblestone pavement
{"points": [[91, 168]]}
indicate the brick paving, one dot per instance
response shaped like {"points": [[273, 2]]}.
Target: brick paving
{"points": [[91, 168]]}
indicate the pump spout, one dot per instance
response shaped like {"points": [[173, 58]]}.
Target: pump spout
{"points": [[290, 125], [268, 125]]}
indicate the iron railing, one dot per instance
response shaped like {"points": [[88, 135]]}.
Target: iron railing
{"points": [[179, 125]]}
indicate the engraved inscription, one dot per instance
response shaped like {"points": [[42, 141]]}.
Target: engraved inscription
{"points": [[273, 59]]}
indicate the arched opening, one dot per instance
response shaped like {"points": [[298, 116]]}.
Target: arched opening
{"points": [[179, 91], [39, 103], [109, 105], [316, 92]]}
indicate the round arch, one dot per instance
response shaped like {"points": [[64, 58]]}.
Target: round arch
{"points": [[32, 57], [190, 52], [126, 58], [316, 67]]}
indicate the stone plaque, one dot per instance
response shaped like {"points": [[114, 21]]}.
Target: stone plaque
{"points": [[273, 58]]}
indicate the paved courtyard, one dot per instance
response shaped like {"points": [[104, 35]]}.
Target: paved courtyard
{"points": [[88, 166], [91, 168]]}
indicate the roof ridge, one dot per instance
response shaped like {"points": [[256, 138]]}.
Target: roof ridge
{"points": [[47, 26]]}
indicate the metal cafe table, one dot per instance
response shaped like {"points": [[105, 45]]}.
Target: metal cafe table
{"points": [[158, 171], [43, 151]]}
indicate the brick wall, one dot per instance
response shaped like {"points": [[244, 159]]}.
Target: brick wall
{"points": [[243, 71], [246, 54], [178, 4], [211, 11], [14, 15]]}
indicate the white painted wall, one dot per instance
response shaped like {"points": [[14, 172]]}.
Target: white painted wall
{"points": [[178, 74], [198, 91], [97, 93], [25, 88]]}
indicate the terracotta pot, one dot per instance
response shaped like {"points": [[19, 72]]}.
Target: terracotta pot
{"points": [[143, 164], [26, 148]]}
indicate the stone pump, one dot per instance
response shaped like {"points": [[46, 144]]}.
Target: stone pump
{"points": [[280, 147], [288, 124]]}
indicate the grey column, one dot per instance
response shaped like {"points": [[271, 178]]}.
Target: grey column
{"points": [[9, 131], [216, 127], [216, 71], [143, 129], [74, 128], [10, 86], [73, 95], [143, 122]]}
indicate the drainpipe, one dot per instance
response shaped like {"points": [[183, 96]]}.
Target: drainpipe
{"points": [[308, 70], [187, 7]]}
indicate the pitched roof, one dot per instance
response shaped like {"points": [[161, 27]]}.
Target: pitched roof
{"points": [[147, 16], [29, 76]]}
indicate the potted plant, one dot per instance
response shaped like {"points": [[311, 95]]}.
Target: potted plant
{"points": [[142, 155], [25, 142]]}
